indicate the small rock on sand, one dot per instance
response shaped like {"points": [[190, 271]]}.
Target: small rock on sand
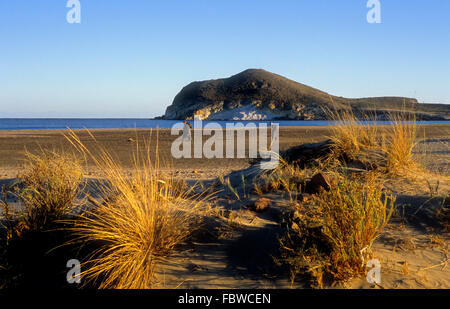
{"points": [[301, 198], [261, 204], [318, 182]]}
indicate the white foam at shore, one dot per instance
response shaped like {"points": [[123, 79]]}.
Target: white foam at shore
{"points": [[248, 112]]}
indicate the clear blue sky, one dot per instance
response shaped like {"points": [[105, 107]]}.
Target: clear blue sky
{"points": [[130, 58]]}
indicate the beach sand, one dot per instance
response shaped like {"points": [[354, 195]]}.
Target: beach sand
{"points": [[122, 142], [412, 255]]}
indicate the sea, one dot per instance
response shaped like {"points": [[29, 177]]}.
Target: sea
{"points": [[141, 123]]}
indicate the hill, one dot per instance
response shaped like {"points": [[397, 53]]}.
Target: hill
{"points": [[256, 94]]}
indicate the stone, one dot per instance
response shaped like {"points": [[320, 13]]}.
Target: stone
{"points": [[303, 198], [261, 204], [305, 154], [317, 183]]}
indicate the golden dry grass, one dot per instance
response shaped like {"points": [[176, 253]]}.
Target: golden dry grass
{"points": [[51, 185], [394, 142], [351, 135], [49, 191], [401, 138], [443, 213], [136, 220], [286, 177], [330, 239]]}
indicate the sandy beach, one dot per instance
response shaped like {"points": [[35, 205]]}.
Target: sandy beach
{"points": [[121, 143], [412, 254]]}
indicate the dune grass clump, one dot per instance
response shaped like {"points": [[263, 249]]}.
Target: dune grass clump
{"points": [[443, 213], [330, 239], [52, 184], [48, 191], [350, 135], [390, 146], [49, 188], [401, 138], [135, 221], [285, 177]]}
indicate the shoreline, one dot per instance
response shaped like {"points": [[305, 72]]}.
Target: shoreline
{"points": [[418, 123], [143, 125], [121, 143]]}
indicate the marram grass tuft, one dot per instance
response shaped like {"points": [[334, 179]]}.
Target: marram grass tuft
{"points": [[135, 221]]}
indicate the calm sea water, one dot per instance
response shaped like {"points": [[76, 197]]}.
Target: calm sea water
{"points": [[127, 123]]}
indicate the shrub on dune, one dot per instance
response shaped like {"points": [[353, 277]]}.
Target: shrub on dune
{"points": [[51, 187], [330, 239], [48, 191]]}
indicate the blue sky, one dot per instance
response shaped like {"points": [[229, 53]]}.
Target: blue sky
{"points": [[130, 58]]}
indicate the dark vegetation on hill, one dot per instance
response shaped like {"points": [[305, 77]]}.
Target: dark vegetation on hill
{"points": [[281, 98]]}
